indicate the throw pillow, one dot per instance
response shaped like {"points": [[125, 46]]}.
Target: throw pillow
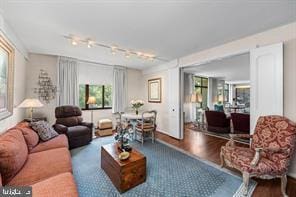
{"points": [[44, 130]]}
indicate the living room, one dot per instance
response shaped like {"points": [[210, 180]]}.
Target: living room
{"points": [[92, 100], [217, 96]]}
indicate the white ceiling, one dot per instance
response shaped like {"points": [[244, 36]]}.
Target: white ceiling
{"points": [[168, 28], [231, 69]]}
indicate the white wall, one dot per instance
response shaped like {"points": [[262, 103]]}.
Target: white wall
{"points": [[95, 74], [161, 108], [19, 77], [49, 64]]}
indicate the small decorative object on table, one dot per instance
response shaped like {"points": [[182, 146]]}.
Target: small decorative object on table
{"points": [[124, 155], [122, 137], [137, 104]]}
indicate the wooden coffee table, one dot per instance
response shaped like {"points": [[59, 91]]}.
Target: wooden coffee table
{"points": [[123, 174]]}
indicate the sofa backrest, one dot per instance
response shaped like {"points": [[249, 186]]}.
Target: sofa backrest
{"points": [[68, 115], [13, 154], [31, 137]]}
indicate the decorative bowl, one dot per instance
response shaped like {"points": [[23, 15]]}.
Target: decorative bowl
{"points": [[123, 156]]}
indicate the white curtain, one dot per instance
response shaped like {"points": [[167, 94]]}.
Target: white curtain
{"points": [[68, 81], [119, 89], [189, 108], [192, 105]]}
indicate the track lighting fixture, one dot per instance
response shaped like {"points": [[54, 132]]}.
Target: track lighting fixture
{"points": [[114, 48]]}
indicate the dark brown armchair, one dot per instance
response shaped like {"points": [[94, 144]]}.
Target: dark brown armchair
{"points": [[70, 122], [217, 122], [241, 122]]}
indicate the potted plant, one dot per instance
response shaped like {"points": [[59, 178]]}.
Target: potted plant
{"points": [[122, 136], [137, 104]]}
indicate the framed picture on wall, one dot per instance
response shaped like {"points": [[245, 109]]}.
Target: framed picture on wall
{"points": [[6, 78], [154, 90]]}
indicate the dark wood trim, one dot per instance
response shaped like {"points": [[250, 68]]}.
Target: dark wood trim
{"points": [[98, 108], [86, 95], [103, 96]]}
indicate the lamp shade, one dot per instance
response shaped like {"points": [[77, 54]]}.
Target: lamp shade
{"points": [[199, 98], [196, 98], [220, 98], [193, 98], [31, 103], [91, 100]]}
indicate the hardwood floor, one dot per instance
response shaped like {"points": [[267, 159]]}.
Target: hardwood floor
{"points": [[208, 148]]}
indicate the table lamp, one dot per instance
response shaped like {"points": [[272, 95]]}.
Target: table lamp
{"points": [[92, 101], [196, 98], [31, 103]]}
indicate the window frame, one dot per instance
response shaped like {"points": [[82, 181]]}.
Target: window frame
{"points": [[201, 86], [86, 106]]}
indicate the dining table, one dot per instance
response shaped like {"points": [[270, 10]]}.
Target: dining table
{"points": [[132, 117]]}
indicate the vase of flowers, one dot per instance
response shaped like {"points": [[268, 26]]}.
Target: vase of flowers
{"points": [[123, 136], [137, 104]]}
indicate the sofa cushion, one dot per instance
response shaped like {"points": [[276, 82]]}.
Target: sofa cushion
{"points": [[31, 137], [42, 165], [13, 154], [44, 130], [78, 131], [61, 185], [61, 141]]}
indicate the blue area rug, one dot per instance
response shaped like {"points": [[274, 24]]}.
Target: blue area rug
{"points": [[169, 173]]}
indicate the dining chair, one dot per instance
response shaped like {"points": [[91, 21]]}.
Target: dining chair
{"points": [[146, 125]]}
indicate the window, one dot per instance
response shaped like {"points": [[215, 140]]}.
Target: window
{"points": [[201, 87], [242, 95], [102, 93], [226, 93]]}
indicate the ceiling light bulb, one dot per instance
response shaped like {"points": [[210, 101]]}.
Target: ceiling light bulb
{"points": [[90, 44], [127, 54], [74, 42], [113, 50]]}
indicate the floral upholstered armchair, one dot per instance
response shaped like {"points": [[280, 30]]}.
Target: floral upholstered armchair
{"points": [[269, 155]]}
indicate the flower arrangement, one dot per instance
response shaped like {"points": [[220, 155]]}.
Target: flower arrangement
{"points": [[123, 136], [137, 104]]}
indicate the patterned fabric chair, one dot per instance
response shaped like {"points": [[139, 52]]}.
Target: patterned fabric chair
{"points": [[147, 125], [270, 152]]}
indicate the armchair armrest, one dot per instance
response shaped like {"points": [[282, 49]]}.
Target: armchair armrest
{"points": [[267, 150], [87, 124], [61, 129]]}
